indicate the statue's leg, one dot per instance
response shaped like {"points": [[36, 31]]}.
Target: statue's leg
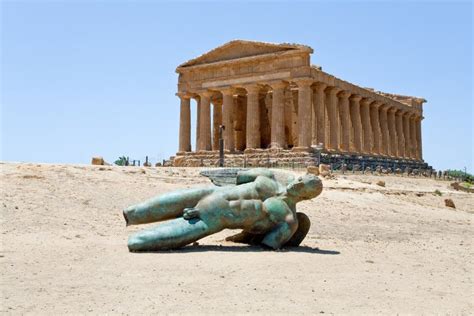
{"points": [[255, 239], [303, 228], [171, 234], [167, 206]]}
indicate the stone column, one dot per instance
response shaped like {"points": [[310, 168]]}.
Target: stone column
{"points": [[304, 112], [392, 132], [356, 130], [400, 134], [253, 117], [419, 155], [406, 133], [239, 119], [366, 126], [345, 120], [375, 122], [319, 115], [333, 116], [414, 137], [290, 115], [227, 110], [327, 130], [278, 115], [385, 145], [185, 123], [216, 122], [198, 120], [205, 121], [292, 101]]}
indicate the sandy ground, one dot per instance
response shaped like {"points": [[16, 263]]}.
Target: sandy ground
{"points": [[371, 250]]}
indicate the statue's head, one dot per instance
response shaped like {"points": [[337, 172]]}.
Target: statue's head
{"points": [[305, 187]]}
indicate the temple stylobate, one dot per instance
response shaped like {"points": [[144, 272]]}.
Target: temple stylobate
{"points": [[273, 102]]}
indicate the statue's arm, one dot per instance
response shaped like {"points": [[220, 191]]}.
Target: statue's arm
{"points": [[282, 233], [166, 206], [288, 223], [246, 176]]}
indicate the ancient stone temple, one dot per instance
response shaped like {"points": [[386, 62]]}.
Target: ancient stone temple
{"points": [[275, 105]]}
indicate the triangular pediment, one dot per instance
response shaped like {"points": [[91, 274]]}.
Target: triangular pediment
{"points": [[240, 49]]}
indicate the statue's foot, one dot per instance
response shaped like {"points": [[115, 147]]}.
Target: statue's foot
{"points": [[190, 213], [303, 228]]}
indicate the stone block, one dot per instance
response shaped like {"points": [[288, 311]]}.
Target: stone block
{"points": [[324, 168], [313, 170], [98, 161], [179, 161], [449, 203]]}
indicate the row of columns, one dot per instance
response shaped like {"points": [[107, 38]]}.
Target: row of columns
{"points": [[361, 125], [342, 121]]}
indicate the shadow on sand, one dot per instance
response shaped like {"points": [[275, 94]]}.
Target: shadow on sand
{"points": [[188, 249]]}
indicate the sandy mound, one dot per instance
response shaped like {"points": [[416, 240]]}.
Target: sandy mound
{"points": [[371, 249]]}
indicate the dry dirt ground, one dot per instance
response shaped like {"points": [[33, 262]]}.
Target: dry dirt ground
{"points": [[371, 249]]}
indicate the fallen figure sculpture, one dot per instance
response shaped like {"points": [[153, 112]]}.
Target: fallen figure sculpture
{"points": [[261, 202]]}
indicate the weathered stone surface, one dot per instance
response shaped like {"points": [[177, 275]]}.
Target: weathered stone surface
{"points": [[449, 203], [459, 187], [269, 158], [313, 170], [179, 161], [99, 161], [270, 97], [168, 163], [324, 168]]}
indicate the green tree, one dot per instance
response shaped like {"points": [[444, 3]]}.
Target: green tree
{"points": [[122, 161]]}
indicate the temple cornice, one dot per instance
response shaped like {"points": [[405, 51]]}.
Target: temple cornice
{"points": [[243, 60]]}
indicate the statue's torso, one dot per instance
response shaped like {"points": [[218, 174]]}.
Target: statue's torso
{"points": [[256, 207]]}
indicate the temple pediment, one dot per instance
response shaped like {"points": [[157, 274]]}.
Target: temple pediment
{"points": [[240, 49]]}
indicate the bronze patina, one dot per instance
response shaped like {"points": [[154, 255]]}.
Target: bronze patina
{"points": [[261, 202]]}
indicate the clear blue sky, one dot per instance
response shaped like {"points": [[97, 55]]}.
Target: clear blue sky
{"points": [[88, 78]]}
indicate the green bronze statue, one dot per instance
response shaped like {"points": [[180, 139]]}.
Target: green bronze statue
{"points": [[261, 202]]}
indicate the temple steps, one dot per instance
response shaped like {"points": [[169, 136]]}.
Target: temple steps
{"points": [[290, 158]]}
